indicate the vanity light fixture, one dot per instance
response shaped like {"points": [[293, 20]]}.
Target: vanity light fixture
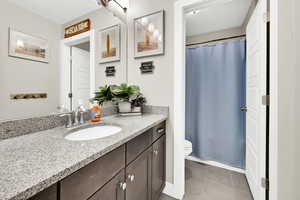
{"points": [[105, 3], [117, 7]]}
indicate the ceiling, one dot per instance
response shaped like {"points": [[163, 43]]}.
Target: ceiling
{"points": [[58, 11], [216, 15]]}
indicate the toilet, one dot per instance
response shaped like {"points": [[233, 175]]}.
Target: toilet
{"points": [[188, 148]]}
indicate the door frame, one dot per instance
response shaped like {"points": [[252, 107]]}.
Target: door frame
{"points": [[65, 72], [176, 189]]}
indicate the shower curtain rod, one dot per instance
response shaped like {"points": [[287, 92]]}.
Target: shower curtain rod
{"points": [[228, 38]]}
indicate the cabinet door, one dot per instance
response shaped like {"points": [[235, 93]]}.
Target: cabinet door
{"points": [[158, 168], [138, 177], [86, 181], [113, 190], [47, 194]]}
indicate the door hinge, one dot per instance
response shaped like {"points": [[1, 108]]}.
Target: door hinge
{"points": [[266, 17], [265, 183], [244, 108], [266, 100], [70, 95]]}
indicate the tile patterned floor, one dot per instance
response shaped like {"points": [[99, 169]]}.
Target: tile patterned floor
{"points": [[204, 182]]}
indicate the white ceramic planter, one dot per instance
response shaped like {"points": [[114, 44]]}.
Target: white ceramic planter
{"points": [[124, 107], [137, 109]]}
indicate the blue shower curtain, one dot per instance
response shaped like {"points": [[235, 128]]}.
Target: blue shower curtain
{"points": [[215, 91]]}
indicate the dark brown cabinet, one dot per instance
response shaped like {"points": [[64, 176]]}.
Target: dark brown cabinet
{"points": [[138, 177], [47, 194], [113, 190], [134, 171], [159, 131], [158, 168], [88, 180]]}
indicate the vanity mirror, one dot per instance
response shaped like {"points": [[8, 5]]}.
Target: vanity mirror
{"points": [[73, 69]]}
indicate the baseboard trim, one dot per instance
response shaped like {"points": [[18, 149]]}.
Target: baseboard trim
{"points": [[171, 191], [216, 164]]}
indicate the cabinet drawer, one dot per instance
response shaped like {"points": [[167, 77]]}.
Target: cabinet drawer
{"points": [[47, 194], [139, 144], [159, 131], [113, 190], [86, 181]]}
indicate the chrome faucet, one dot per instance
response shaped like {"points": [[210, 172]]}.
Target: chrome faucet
{"points": [[69, 124], [81, 117], [78, 117], [79, 113], [76, 121]]}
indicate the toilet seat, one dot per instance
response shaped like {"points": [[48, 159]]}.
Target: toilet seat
{"points": [[188, 148]]}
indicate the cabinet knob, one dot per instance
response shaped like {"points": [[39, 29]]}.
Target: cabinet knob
{"points": [[131, 177], [161, 130], [123, 186], [155, 152]]}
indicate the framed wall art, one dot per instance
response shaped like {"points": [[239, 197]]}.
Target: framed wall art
{"points": [[22, 45], [109, 44], [149, 35]]}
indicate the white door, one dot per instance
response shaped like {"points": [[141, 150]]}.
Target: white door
{"points": [[80, 77], [255, 89]]}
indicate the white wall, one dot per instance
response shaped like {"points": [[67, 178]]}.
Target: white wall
{"points": [[101, 19], [157, 87], [288, 100], [24, 76], [232, 32]]}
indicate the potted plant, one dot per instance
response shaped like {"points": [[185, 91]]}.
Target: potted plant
{"points": [[127, 97], [137, 101], [122, 96], [105, 94]]}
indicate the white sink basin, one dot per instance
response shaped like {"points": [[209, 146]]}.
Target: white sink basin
{"points": [[93, 133]]}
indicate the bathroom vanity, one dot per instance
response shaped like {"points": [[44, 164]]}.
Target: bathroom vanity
{"points": [[134, 171], [129, 165]]}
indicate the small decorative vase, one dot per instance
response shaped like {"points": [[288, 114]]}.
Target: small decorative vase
{"points": [[124, 107], [137, 109]]}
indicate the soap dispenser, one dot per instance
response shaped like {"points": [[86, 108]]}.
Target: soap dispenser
{"points": [[95, 112]]}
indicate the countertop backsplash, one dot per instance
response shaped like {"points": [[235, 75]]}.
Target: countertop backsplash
{"points": [[156, 109], [14, 128]]}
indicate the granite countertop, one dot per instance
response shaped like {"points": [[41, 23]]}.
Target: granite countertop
{"points": [[31, 163]]}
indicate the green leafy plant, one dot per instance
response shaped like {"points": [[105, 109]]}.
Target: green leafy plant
{"points": [[137, 100], [105, 94], [123, 92]]}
